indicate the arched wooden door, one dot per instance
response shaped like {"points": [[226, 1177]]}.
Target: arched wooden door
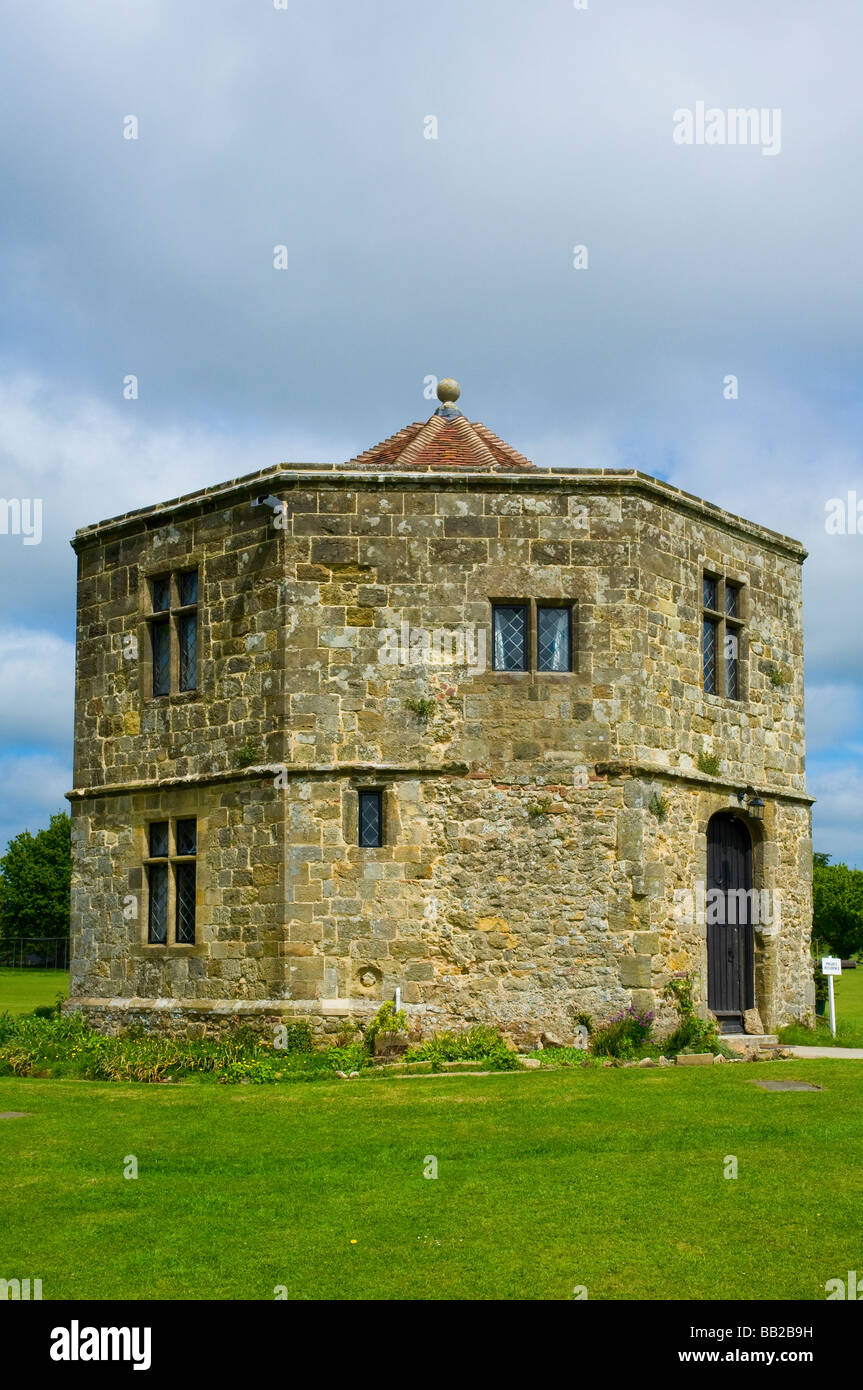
{"points": [[730, 940]]}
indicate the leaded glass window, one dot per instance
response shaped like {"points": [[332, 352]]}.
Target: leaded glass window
{"points": [[709, 655], [188, 587], [159, 839], [553, 639], [174, 632], [723, 637], [157, 925], [188, 633], [161, 641], [371, 819], [187, 837], [161, 590], [171, 882], [731, 665], [509, 637], [185, 925], [532, 636]]}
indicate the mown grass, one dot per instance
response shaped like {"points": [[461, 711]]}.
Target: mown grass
{"points": [[849, 997], [21, 991], [607, 1178]]}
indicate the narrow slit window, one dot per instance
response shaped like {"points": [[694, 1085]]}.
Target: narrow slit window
{"points": [[371, 819]]}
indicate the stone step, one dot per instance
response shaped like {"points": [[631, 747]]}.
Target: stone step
{"points": [[748, 1042]]}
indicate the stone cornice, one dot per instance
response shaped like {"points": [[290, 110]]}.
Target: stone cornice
{"points": [[269, 770], [700, 779], [612, 480], [296, 771]]}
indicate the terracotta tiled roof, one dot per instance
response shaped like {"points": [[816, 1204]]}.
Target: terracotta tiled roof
{"points": [[448, 441]]}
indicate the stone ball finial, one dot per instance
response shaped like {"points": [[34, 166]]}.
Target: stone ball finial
{"points": [[448, 390]]}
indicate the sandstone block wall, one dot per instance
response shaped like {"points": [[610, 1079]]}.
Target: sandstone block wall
{"points": [[523, 876]]}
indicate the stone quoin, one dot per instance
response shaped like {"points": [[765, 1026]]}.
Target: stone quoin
{"points": [[272, 822]]}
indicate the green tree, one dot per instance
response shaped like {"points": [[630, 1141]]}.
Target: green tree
{"points": [[837, 906], [35, 873]]}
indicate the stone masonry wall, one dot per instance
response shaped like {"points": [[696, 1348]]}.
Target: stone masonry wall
{"points": [[524, 876], [517, 905]]}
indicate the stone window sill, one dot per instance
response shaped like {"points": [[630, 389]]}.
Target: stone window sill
{"points": [[723, 701], [151, 947], [177, 697], [531, 675]]}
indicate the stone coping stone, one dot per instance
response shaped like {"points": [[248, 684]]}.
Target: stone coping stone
{"points": [[14, 1114], [695, 1059]]}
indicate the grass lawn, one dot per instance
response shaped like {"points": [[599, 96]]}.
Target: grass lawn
{"points": [[21, 991], [848, 988], [612, 1179]]}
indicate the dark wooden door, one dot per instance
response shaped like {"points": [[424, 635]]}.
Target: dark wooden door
{"points": [[730, 943]]}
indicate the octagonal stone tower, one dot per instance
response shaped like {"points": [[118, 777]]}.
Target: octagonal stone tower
{"points": [[508, 739]]}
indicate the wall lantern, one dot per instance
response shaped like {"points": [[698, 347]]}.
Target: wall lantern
{"points": [[754, 804]]}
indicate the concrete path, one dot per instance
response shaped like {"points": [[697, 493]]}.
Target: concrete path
{"points": [[855, 1053]]}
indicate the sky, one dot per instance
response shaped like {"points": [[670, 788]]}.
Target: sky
{"points": [[430, 170]]}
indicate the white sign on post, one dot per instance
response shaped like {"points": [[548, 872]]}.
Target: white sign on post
{"points": [[831, 966]]}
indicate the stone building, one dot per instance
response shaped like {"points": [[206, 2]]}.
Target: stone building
{"points": [[442, 721]]}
